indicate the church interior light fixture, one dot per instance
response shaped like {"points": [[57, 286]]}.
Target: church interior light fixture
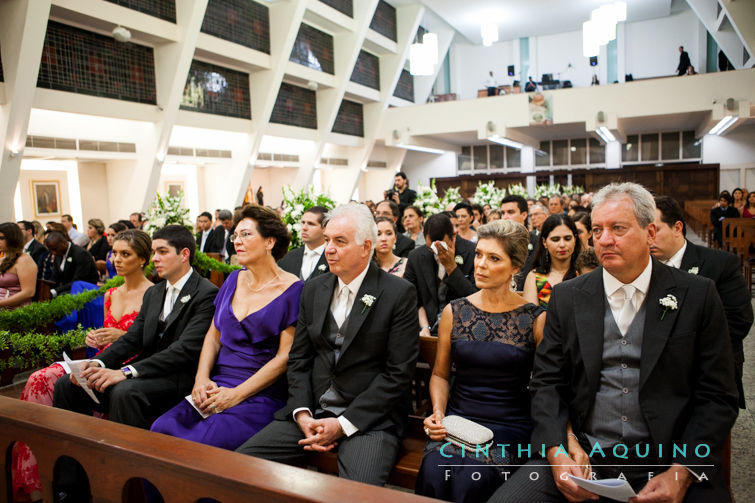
{"points": [[489, 33], [600, 29]]}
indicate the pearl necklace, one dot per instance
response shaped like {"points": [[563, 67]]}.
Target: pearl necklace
{"points": [[249, 283]]}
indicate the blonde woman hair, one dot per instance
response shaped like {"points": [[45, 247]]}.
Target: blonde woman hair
{"points": [[513, 237]]}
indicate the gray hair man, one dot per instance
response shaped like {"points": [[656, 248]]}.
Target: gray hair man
{"points": [[353, 391], [632, 358]]}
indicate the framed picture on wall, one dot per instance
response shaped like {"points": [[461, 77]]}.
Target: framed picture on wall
{"points": [[173, 189], [45, 198]]}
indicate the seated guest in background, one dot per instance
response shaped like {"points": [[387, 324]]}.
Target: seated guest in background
{"points": [[137, 220], [128, 224], [464, 219], [586, 200], [242, 366], [391, 210], [77, 237], [75, 263], [98, 246], [110, 233], [204, 224], [351, 363], [218, 241], [586, 262], [554, 260], [493, 215], [717, 215], [439, 272], [413, 220], [573, 208], [672, 248], [530, 86], [632, 355], [515, 208], [39, 232], [131, 250], [489, 337], [555, 205], [308, 261], [48, 264], [18, 272], [538, 213], [386, 242], [32, 247], [738, 197], [748, 210], [583, 223], [479, 216], [166, 335]]}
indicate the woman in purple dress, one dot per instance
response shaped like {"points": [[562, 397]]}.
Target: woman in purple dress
{"points": [[241, 379]]}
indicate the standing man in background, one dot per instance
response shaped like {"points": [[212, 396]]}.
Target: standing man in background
{"points": [[491, 84], [684, 62]]}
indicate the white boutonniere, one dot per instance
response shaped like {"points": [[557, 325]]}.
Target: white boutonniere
{"points": [[529, 246], [459, 260], [694, 270], [367, 300], [185, 299], [668, 302], [69, 259], [322, 268]]}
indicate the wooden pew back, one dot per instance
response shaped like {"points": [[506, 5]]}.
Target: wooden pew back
{"points": [[183, 471]]}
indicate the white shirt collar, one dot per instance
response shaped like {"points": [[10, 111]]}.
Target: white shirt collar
{"points": [[27, 245], [676, 258], [356, 283], [314, 251], [641, 283], [178, 285]]}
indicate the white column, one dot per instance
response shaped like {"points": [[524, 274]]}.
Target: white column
{"points": [[528, 166], [23, 24]]}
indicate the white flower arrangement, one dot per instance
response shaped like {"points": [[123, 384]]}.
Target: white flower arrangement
{"points": [[295, 203], [488, 193], [367, 300], [548, 190], [459, 260], [167, 210], [694, 270], [451, 197], [427, 199], [517, 189], [669, 302], [574, 189]]}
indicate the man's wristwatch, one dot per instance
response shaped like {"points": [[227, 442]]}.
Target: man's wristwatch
{"points": [[127, 372]]}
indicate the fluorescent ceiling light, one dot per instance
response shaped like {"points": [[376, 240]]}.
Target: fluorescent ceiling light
{"points": [[506, 141], [417, 148], [723, 125], [605, 134], [489, 32], [431, 41], [590, 44], [420, 60]]}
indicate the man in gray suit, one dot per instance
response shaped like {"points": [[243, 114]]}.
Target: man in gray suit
{"points": [[351, 363], [632, 358]]}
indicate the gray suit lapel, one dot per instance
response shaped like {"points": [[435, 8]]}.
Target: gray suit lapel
{"points": [[656, 331], [591, 300]]}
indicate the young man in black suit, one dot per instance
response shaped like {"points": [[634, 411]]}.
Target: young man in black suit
{"points": [[31, 246], [440, 271], [351, 363], [76, 264], [672, 248], [632, 356], [308, 261], [218, 241], [515, 208], [165, 339], [204, 221]]}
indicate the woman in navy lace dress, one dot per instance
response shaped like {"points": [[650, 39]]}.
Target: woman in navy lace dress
{"points": [[490, 339]]}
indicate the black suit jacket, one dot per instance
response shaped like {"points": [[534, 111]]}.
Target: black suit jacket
{"points": [[291, 262], [198, 237], [404, 245], [687, 391], [99, 249], [79, 267], [216, 240], [724, 269], [36, 250], [422, 271], [177, 351], [378, 356]]}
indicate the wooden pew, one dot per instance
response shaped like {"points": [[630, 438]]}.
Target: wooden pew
{"points": [[697, 216], [216, 277], [183, 471]]}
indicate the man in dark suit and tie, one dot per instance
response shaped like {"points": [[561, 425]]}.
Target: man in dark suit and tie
{"points": [[308, 261], [76, 264], [204, 221], [34, 248], [632, 357], [218, 241], [389, 209], [440, 272], [352, 360], [165, 340], [672, 248]]}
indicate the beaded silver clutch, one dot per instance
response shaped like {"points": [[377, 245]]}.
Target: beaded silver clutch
{"points": [[465, 433]]}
